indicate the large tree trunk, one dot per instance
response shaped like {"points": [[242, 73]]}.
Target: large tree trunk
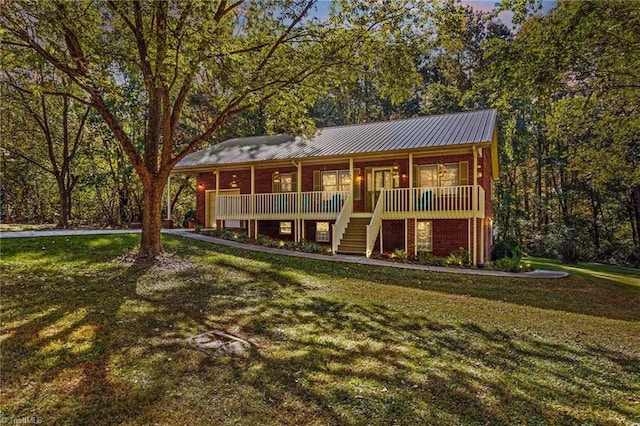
{"points": [[64, 205], [151, 244]]}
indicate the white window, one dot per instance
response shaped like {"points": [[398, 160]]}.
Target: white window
{"points": [[449, 174], [286, 182], [429, 176], [322, 232], [285, 228], [433, 175], [329, 181], [424, 236], [336, 180]]}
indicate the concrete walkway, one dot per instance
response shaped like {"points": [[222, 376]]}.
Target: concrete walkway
{"points": [[538, 273]]}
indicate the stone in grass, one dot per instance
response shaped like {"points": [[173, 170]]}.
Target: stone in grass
{"points": [[221, 343]]}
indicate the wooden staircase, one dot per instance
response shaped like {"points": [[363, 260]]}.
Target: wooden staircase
{"points": [[354, 240]]}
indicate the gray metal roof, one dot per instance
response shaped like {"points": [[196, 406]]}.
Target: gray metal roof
{"points": [[408, 134]]}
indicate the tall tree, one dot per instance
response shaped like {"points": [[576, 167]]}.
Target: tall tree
{"points": [[234, 55], [47, 99], [568, 88]]}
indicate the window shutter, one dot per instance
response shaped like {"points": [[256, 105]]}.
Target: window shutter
{"points": [[357, 182], [317, 182], [294, 181], [416, 176], [463, 173], [275, 185]]}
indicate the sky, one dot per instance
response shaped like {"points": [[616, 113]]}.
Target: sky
{"points": [[505, 17], [479, 5]]}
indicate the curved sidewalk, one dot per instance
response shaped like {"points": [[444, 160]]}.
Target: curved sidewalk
{"points": [[538, 273]]}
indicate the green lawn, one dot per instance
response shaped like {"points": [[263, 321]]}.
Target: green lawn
{"points": [[90, 338], [12, 227], [596, 273]]}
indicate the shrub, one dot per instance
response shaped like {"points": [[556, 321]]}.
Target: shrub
{"points": [[454, 259], [569, 252], [190, 215], [510, 264], [462, 254], [400, 254], [506, 249], [312, 248], [425, 257]]}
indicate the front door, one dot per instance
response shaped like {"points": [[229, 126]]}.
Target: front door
{"points": [[378, 180]]}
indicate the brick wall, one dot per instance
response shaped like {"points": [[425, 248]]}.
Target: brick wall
{"points": [[204, 181], [450, 235], [392, 235], [271, 229]]}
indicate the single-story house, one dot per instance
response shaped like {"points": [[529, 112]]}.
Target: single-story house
{"points": [[417, 184]]}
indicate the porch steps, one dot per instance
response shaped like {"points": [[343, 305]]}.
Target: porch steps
{"points": [[354, 240]]}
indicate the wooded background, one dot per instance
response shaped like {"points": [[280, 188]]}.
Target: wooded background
{"points": [[566, 85]]}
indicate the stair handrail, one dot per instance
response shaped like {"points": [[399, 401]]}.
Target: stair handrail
{"points": [[374, 225], [342, 221]]}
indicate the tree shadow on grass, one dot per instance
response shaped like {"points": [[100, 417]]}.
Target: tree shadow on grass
{"points": [[434, 372], [111, 347], [568, 294]]}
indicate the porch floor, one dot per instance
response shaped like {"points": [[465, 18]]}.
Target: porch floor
{"points": [[538, 273]]}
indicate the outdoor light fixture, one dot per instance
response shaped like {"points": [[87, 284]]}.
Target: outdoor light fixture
{"points": [[233, 183], [479, 173], [201, 185], [276, 177]]}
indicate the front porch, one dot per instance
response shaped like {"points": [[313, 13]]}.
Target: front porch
{"points": [[454, 202], [352, 231]]}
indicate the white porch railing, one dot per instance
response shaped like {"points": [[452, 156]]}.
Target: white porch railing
{"points": [[441, 199], [440, 202], [285, 205], [374, 225], [341, 224]]}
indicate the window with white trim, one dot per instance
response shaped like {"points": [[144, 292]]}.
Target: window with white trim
{"points": [[322, 232], [285, 228], [424, 237], [433, 175], [286, 182], [336, 180]]}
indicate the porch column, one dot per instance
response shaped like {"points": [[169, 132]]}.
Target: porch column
{"points": [[411, 181], [251, 204], [482, 230], [352, 177], [474, 198], [215, 218], [298, 222]]}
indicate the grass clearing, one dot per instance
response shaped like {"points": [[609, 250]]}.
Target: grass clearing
{"points": [[89, 338], [595, 273], [14, 227]]}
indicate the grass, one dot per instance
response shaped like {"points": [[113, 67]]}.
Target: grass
{"points": [[89, 338], [13, 227], [595, 273]]}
